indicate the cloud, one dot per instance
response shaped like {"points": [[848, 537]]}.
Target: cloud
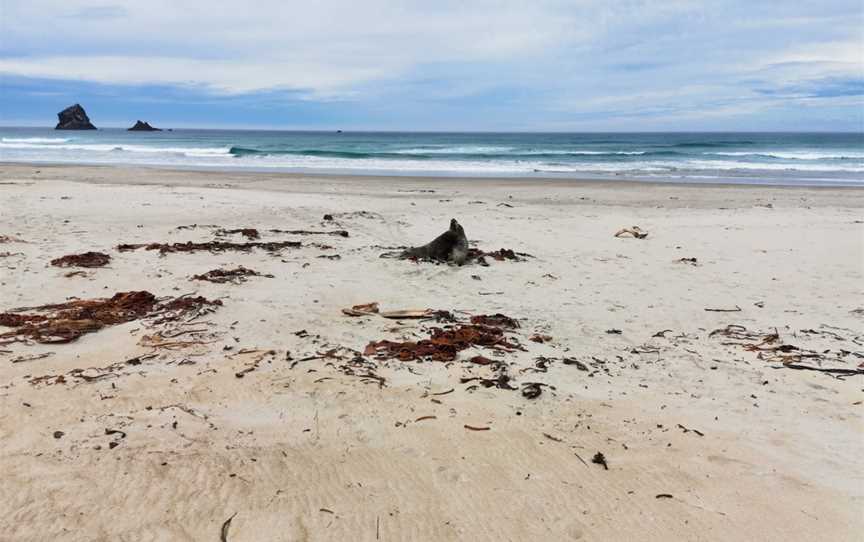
{"points": [[223, 76], [99, 12], [274, 44]]}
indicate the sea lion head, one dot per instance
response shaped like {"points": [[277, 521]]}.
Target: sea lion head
{"points": [[456, 228]]}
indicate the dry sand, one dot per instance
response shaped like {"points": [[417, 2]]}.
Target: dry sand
{"points": [[306, 451]]}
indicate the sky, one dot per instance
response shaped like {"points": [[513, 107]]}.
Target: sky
{"points": [[535, 65]]}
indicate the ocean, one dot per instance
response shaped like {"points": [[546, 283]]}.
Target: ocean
{"points": [[747, 158]]}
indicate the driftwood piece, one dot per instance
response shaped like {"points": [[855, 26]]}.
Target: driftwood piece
{"points": [[633, 231]]}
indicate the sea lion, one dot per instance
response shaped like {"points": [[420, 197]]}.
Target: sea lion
{"points": [[450, 246]]}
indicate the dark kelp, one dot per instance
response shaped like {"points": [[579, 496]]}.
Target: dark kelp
{"points": [[210, 246]]}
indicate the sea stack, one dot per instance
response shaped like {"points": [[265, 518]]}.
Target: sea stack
{"points": [[143, 127], [73, 118]]}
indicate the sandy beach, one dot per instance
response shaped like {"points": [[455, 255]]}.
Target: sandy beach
{"points": [[712, 365]]}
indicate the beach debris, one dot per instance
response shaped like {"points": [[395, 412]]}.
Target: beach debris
{"points": [[158, 340], [210, 246], [22, 359], [736, 309], [613, 331], [690, 261], [633, 231], [90, 374], [663, 496], [262, 354], [539, 338], [495, 320], [842, 371], [336, 233], [87, 259], [500, 255], [687, 430], [501, 380], [369, 215], [366, 309], [408, 314], [741, 333], [476, 428], [248, 233], [531, 390], [116, 442], [10, 239], [481, 360], [769, 348], [446, 392], [223, 533], [66, 322], [600, 459], [58, 434], [235, 276], [579, 365]]}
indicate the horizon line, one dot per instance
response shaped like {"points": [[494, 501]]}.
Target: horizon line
{"points": [[421, 131]]}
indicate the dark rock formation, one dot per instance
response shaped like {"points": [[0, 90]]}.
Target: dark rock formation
{"points": [[143, 127], [73, 118]]}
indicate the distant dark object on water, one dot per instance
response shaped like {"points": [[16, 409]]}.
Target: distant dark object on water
{"points": [[73, 118], [143, 127]]}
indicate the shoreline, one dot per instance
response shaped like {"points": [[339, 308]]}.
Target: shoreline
{"points": [[539, 182]]}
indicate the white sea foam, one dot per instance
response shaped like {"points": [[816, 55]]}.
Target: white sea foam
{"points": [[707, 165], [119, 147], [470, 149], [797, 155], [34, 140]]}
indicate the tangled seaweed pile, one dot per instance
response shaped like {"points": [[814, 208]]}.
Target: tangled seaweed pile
{"points": [[444, 344], [66, 322], [235, 276]]}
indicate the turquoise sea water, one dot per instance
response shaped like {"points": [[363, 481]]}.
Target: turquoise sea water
{"points": [[774, 158]]}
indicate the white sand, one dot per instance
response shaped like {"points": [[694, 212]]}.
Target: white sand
{"points": [[311, 453]]}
